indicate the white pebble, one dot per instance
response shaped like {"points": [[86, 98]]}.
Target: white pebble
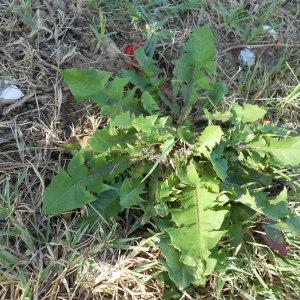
{"points": [[247, 57], [270, 30], [11, 93]]}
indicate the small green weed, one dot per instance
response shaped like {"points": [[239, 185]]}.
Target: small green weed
{"points": [[24, 11], [248, 25], [151, 17], [98, 29], [93, 4]]}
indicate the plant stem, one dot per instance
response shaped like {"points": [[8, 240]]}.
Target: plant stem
{"points": [[187, 103]]}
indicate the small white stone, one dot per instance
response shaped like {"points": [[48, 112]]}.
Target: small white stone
{"points": [[270, 30], [11, 93], [247, 57]]}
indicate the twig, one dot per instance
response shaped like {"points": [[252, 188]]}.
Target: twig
{"points": [[22, 101], [17, 103], [259, 46], [48, 65]]}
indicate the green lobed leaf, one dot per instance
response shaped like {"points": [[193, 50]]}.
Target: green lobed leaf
{"points": [[72, 189], [109, 167], [284, 152], [85, 83], [292, 224], [220, 165], [198, 224], [149, 103], [67, 191], [200, 54], [194, 69], [275, 209], [107, 204], [139, 80], [122, 120], [144, 124], [216, 94], [108, 138], [147, 64], [209, 138], [248, 112], [109, 94], [166, 188], [218, 116], [179, 273], [197, 221], [130, 194]]}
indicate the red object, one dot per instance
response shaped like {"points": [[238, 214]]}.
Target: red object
{"points": [[130, 50]]}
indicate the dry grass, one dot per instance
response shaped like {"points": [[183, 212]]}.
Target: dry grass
{"points": [[59, 258]]}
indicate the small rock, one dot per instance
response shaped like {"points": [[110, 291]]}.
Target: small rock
{"points": [[9, 92], [270, 30], [247, 57], [61, 4]]}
